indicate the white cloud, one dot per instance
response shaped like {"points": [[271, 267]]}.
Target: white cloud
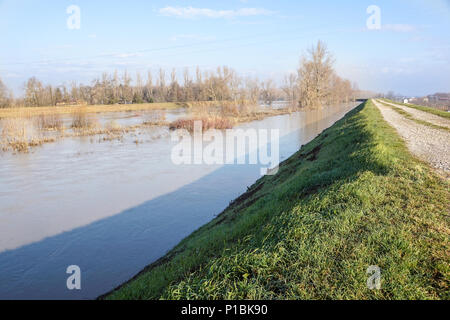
{"points": [[398, 27], [11, 75], [401, 71], [190, 12]]}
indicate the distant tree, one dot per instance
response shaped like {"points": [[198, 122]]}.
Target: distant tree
{"points": [[147, 91], [291, 88], [6, 96], [174, 90], [58, 95], [115, 88], [252, 90], [355, 91], [162, 89], [390, 95], [127, 92], [314, 84], [314, 73], [188, 86], [48, 98], [34, 92], [268, 91], [138, 89]]}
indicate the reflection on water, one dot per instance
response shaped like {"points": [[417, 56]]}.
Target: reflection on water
{"points": [[113, 207]]}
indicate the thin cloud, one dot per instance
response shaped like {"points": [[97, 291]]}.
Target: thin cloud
{"points": [[190, 12], [128, 55], [11, 75], [399, 27], [192, 37]]}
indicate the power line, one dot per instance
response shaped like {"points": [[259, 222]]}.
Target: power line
{"points": [[169, 48]]}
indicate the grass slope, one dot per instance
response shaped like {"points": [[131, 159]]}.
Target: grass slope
{"points": [[352, 198], [434, 111]]}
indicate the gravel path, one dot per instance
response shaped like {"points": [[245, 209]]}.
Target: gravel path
{"points": [[429, 144], [422, 115]]}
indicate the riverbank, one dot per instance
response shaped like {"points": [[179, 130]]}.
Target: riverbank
{"points": [[354, 197], [71, 109], [24, 128]]}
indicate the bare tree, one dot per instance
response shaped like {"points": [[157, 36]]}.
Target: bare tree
{"points": [[115, 88], [252, 90], [138, 90], [162, 96], [34, 91], [188, 92], [290, 88], [148, 90], [315, 72], [174, 89], [390, 95], [315, 84], [5, 96], [127, 92], [268, 91]]}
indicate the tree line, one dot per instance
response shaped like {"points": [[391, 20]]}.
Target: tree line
{"points": [[315, 83]]}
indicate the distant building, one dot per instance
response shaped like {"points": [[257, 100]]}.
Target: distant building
{"points": [[405, 101], [439, 97], [438, 100]]}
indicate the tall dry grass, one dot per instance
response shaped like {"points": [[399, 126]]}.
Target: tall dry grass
{"points": [[157, 117], [82, 121], [207, 123], [36, 111], [225, 115], [19, 134], [52, 122], [28, 128]]}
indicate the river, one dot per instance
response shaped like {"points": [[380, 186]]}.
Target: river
{"points": [[113, 207]]}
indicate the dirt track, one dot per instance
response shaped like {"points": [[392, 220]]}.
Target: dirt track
{"points": [[427, 143], [422, 115]]}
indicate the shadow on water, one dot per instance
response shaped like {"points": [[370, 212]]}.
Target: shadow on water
{"points": [[112, 250]]}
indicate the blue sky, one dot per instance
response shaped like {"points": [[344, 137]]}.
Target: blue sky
{"points": [[409, 55]]}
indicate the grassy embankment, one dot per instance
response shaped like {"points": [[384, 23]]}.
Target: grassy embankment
{"points": [[352, 198], [409, 116], [434, 111]]}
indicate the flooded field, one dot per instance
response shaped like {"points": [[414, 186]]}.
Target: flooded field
{"points": [[114, 206]]}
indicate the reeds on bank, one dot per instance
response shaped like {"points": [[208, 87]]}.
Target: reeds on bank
{"points": [[25, 128]]}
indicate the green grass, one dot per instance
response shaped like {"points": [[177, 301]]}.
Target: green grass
{"points": [[410, 117], [352, 198], [434, 111]]}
